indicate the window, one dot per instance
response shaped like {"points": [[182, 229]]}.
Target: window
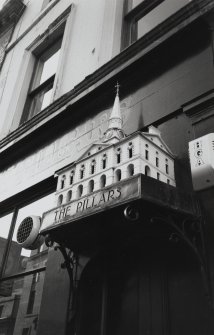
{"points": [[22, 271], [147, 171], [1, 310], [104, 159], [144, 15], [130, 170], [91, 186], [41, 87], [60, 200], [118, 155], [157, 161], [167, 168], [146, 154], [117, 175], [62, 182], [72, 177], [130, 150], [69, 196], [82, 169], [79, 191], [102, 181], [93, 164]]}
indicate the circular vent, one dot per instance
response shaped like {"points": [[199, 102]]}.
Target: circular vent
{"points": [[24, 229], [28, 233]]}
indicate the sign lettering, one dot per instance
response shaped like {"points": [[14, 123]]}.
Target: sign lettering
{"points": [[90, 204]]}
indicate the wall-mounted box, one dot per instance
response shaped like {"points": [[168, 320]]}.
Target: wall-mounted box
{"points": [[201, 153]]}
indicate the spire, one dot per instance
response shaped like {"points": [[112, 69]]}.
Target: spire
{"points": [[114, 132]]}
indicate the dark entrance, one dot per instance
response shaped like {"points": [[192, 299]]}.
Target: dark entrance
{"points": [[154, 288]]}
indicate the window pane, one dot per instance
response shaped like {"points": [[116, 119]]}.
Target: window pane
{"points": [[50, 66], [5, 223], [158, 15], [47, 99], [20, 301], [24, 260]]}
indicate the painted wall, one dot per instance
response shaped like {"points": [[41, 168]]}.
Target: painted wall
{"points": [[87, 44]]}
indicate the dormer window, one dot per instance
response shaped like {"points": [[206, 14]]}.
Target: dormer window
{"points": [[118, 155], [93, 165], [130, 149], [62, 182], [82, 170], [104, 160]]}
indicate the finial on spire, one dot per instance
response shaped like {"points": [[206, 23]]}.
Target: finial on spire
{"points": [[117, 86], [114, 132]]}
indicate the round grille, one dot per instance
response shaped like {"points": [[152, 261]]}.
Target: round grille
{"points": [[24, 230]]}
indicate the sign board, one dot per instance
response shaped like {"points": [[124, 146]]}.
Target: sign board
{"points": [[111, 196]]}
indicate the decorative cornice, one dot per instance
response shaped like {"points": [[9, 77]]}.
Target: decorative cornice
{"points": [[127, 57], [200, 108]]}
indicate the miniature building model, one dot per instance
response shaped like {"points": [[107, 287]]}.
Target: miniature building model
{"points": [[114, 159]]}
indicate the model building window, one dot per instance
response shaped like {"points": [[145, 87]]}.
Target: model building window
{"points": [[157, 161], [62, 182], [82, 169], [102, 181], [93, 165], [104, 159], [60, 200], [42, 82], [72, 177], [118, 175], [91, 186], [130, 150], [167, 168], [118, 155], [144, 15], [147, 171], [69, 196], [79, 191], [130, 170]]}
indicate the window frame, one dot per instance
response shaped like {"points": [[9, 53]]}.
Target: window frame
{"points": [[132, 16], [58, 30], [41, 54]]}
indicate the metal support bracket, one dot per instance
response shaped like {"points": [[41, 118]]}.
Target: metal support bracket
{"points": [[191, 232], [71, 265]]}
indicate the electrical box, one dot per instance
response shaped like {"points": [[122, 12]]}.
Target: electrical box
{"points": [[201, 153]]}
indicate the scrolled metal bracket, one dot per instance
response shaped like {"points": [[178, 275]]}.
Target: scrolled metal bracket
{"points": [[70, 259], [191, 232]]}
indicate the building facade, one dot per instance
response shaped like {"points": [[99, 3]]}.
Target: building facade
{"points": [[139, 260]]}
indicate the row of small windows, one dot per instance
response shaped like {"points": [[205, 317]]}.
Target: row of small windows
{"points": [[157, 160], [104, 164], [80, 190], [118, 176], [93, 166], [130, 172]]}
